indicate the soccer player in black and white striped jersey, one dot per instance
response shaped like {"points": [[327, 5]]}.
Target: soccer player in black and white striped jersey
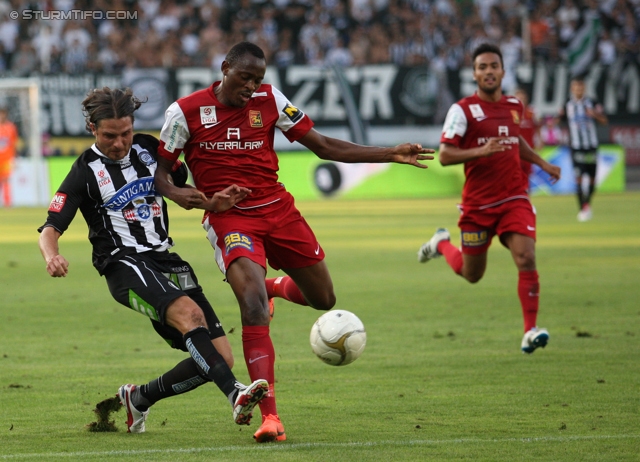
{"points": [[112, 184], [581, 114]]}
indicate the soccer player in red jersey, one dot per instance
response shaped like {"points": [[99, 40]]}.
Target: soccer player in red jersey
{"points": [[529, 129], [226, 132], [482, 132]]}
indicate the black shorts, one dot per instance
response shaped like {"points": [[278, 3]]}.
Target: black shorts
{"points": [[148, 283], [584, 162]]}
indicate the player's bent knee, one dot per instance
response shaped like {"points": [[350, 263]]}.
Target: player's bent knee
{"points": [[324, 303], [185, 315], [473, 278]]}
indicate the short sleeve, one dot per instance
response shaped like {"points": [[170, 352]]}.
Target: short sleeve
{"points": [[174, 134], [455, 125]]}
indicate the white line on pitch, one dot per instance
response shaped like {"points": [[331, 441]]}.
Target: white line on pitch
{"points": [[288, 447]]}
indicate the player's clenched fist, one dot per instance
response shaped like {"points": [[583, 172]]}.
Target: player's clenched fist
{"points": [[57, 266]]}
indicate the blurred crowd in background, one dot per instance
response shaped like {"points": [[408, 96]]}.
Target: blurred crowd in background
{"points": [[186, 33]]}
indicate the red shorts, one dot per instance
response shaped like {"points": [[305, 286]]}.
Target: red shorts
{"points": [[276, 232], [478, 226]]}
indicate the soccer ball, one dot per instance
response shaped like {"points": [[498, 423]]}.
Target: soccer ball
{"points": [[338, 337]]}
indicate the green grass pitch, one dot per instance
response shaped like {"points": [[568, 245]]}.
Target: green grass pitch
{"points": [[441, 378]]}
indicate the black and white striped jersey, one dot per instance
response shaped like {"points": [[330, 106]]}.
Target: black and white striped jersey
{"points": [[583, 134], [118, 200]]}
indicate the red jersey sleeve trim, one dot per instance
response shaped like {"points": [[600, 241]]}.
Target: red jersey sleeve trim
{"points": [[171, 156]]}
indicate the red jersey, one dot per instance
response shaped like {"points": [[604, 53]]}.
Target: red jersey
{"points": [[226, 145], [470, 123]]}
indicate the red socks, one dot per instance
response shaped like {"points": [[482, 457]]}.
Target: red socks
{"points": [[452, 254], [284, 287], [528, 285], [529, 294], [260, 358]]}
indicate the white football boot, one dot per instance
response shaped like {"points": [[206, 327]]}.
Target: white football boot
{"points": [[135, 418], [535, 338], [429, 249], [247, 399]]}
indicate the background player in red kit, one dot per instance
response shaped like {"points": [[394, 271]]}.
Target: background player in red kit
{"points": [[529, 129], [483, 132], [226, 132]]}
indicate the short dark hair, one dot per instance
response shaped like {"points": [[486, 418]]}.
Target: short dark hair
{"points": [[486, 48], [105, 103], [240, 49]]}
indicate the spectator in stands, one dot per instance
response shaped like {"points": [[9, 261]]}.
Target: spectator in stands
{"points": [[285, 55], [9, 31], [75, 57], [539, 28], [607, 49], [24, 61], [199, 25], [359, 46], [339, 55], [380, 49]]}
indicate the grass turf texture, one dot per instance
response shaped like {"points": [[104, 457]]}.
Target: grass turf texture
{"points": [[442, 377]]}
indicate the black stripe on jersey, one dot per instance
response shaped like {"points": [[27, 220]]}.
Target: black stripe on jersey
{"points": [[583, 133]]}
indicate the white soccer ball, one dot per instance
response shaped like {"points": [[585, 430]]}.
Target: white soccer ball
{"points": [[338, 337]]}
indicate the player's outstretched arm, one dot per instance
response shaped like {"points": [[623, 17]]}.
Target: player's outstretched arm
{"points": [[57, 265], [187, 198], [527, 153], [227, 198], [328, 148], [449, 154]]}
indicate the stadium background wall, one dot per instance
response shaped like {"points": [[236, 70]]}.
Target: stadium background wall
{"points": [[309, 178], [392, 104], [395, 103]]}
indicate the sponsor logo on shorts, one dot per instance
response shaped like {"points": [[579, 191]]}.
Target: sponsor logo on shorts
{"points": [[138, 304], [474, 238], [235, 240], [57, 203]]}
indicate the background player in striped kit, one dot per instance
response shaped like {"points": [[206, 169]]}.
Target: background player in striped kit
{"points": [[112, 184], [581, 113]]}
